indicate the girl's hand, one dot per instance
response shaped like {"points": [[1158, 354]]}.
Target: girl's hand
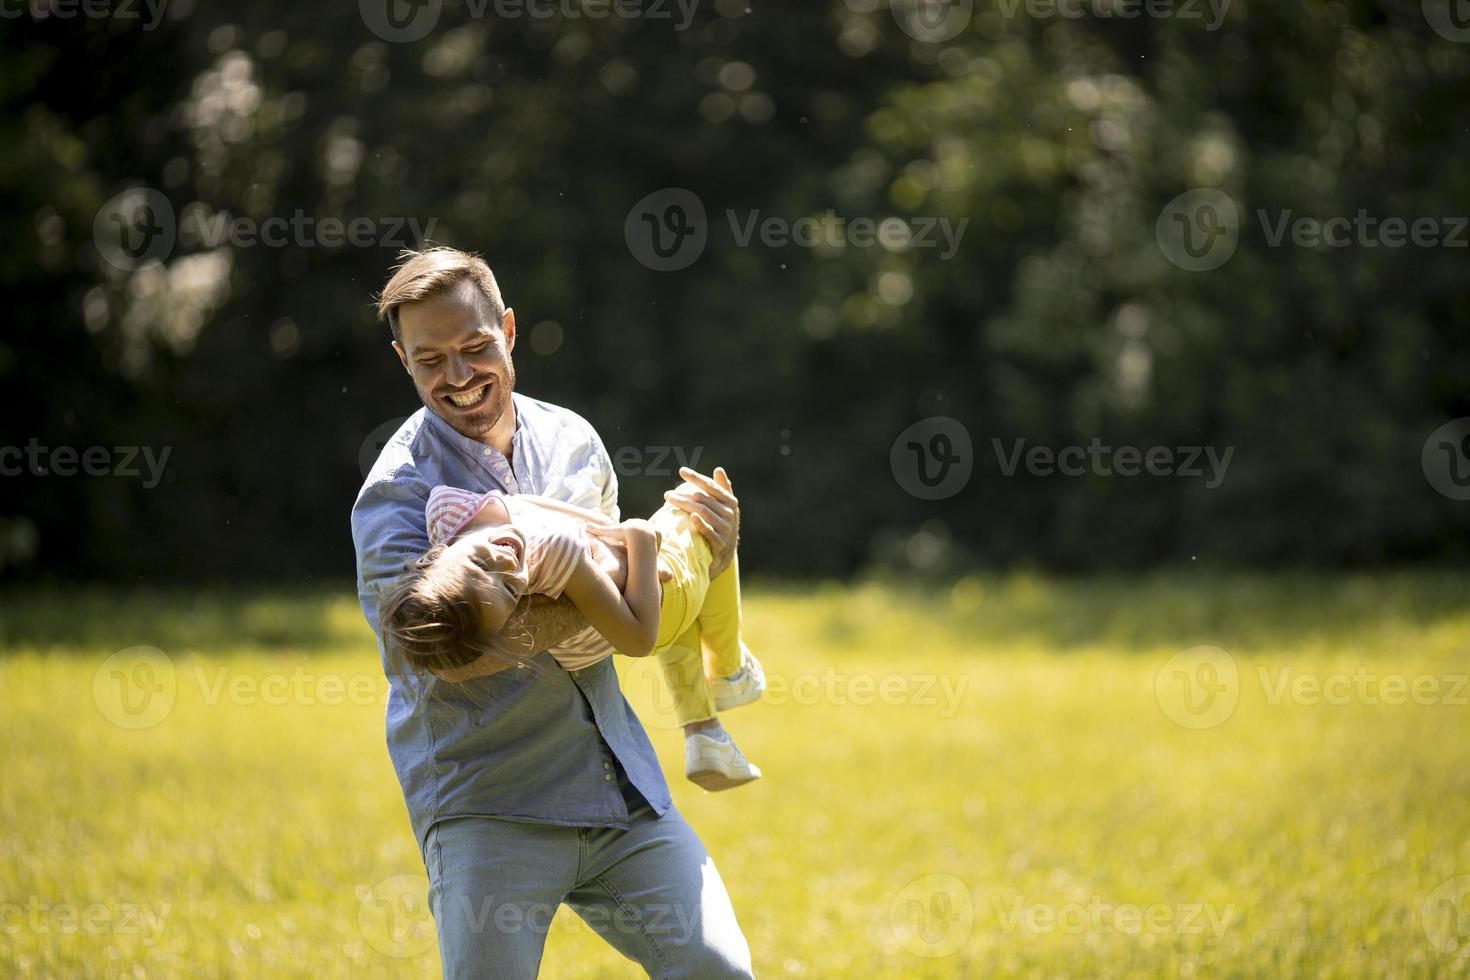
{"points": [[638, 528], [610, 547], [612, 534]]}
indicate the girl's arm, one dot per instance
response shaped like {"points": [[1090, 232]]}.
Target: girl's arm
{"points": [[628, 620], [571, 510]]}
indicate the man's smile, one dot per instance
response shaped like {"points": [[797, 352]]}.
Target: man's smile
{"points": [[470, 397]]}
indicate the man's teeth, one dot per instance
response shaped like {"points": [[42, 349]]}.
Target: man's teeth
{"points": [[468, 398]]}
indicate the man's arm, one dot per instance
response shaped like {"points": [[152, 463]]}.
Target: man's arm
{"points": [[539, 623]]}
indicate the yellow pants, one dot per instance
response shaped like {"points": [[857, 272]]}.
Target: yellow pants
{"points": [[699, 618]]}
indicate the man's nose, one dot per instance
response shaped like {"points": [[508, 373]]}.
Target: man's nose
{"points": [[458, 372]]}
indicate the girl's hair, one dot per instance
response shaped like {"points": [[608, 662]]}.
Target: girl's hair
{"points": [[430, 620]]}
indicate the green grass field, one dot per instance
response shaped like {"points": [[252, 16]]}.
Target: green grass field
{"points": [[1003, 777]]}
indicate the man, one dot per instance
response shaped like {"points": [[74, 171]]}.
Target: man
{"points": [[527, 788]]}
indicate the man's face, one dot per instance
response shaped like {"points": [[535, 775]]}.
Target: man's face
{"points": [[459, 360]]}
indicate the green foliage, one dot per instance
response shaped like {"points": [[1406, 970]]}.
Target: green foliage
{"points": [[1058, 319]]}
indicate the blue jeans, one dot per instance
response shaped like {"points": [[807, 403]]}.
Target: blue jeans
{"points": [[651, 891]]}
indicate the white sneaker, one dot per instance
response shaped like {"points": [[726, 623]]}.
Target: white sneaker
{"points": [[716, 764], [742, 687]]}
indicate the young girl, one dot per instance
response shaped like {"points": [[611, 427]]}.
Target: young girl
{"points": [[489, 550]]}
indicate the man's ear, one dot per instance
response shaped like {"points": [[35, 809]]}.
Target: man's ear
{"points": [[402, 356], [508, 327]]}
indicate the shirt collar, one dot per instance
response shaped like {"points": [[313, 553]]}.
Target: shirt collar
{"points": [[475, 447]]}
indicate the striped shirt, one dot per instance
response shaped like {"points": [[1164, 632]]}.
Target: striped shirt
{"points": [[555, 543]]}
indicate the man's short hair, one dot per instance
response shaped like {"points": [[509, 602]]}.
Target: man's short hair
{"points": [[420, 275]]}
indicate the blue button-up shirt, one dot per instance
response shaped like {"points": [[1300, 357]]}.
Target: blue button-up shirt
{"points": [[540, 745]]}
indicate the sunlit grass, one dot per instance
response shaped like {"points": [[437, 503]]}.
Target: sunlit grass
{"points": [[974, 780]]}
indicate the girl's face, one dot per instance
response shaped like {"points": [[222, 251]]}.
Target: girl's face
{"points": [[491, 563]]}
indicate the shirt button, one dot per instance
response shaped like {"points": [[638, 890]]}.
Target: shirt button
{"points": [[607, 765], [607, 779]]}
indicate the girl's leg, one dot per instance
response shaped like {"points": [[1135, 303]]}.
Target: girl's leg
{"points": [[683, 670], [686, 555], [719, 623]]}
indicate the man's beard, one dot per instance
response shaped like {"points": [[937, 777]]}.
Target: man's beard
{"points": [[482, 421]]}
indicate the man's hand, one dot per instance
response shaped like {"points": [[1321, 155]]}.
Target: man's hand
{"points": [[714, 510], [540, 622]]}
